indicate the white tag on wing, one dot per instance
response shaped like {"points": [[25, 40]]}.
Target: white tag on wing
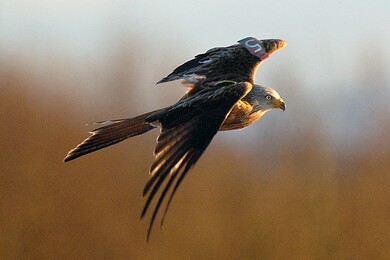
{"points": [[255, 47]]}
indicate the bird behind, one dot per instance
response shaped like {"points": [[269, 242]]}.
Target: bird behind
{"points": [[223, 97]]}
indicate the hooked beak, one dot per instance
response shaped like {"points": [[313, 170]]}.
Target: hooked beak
{"points": [[281, 104]]}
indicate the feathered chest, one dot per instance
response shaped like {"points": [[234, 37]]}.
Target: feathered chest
{"points": [[242, 115]]}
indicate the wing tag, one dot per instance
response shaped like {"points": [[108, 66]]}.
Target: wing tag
{"points": [[255, 47]]}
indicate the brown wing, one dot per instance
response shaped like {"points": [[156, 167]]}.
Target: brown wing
{"points": [[238, 62], [187, 128]]}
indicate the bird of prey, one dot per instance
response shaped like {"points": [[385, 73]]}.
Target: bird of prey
{"points": [[222, 96]]}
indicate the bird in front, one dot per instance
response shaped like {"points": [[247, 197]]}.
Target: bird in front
{"points": [[222, 95]]}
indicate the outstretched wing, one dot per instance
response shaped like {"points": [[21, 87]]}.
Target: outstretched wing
{"points": [[238, 62], [187, 128]]}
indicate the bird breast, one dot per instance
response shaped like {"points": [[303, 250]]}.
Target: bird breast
{"points": [[242, 115]]}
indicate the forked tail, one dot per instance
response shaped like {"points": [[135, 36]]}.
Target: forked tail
{"points": [[113, 132]]}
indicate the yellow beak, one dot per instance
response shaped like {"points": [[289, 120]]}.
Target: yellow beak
{"points": [[280, 104]]}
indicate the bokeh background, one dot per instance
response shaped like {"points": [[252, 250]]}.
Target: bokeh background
{"points": [[310, 183]]}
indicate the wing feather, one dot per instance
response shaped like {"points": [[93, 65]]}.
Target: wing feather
{"points": [[237, 62], [187, 128]]}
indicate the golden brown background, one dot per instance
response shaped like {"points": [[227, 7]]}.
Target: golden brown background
{"points": [[310, 183], [292, 195]]}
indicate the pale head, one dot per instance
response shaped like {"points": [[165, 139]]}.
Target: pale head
{"points": [[266, 98]]}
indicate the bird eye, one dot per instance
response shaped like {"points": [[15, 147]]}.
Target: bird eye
{"points": [[268, 97]]}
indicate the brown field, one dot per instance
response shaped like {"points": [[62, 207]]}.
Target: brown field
{"points": [[292, 194]]}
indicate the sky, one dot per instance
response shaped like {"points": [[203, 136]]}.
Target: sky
{"points": [[332, 44], [337, 33]]}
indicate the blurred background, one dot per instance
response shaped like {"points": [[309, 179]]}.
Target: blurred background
{"points": [[310, 183]]}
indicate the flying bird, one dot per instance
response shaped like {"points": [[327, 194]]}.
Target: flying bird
{"points": [[238, 62], [222, 96]]}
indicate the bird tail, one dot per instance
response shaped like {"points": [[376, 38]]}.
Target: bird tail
{"points": [[112, 132]]}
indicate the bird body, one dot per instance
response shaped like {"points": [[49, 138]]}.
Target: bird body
{"points": [[252, 107], [222, 96]]}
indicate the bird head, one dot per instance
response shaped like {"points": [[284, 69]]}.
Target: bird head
{"points": [[273, 99], [267, 98]]}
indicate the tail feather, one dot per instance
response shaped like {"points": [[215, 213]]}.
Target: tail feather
{"points": [[114, 132]]}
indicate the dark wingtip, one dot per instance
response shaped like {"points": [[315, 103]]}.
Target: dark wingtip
{"points": [[143, 212], [67, 158], [71, 156], [162, 81], [148, 237], [145, 191], [275, 45]]}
